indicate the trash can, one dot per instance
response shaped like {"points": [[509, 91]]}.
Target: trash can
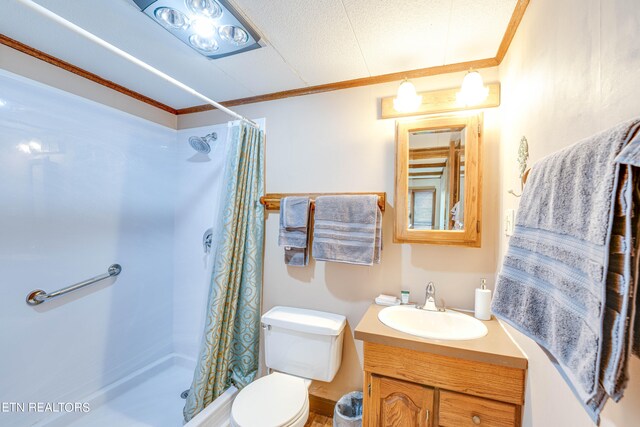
{"points": [[348, 410]]}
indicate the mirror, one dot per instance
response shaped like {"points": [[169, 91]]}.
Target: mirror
{"points": [[438, 181]]}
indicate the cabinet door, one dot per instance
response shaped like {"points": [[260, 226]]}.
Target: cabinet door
{"points": [[399, 403]]}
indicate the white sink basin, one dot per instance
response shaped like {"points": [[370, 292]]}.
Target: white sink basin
{"points": [[437, 325]]}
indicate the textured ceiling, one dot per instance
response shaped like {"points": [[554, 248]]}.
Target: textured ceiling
{"points": [[307, 42]]}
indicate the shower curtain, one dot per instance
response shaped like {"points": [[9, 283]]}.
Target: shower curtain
{"points": [[229, 350]]}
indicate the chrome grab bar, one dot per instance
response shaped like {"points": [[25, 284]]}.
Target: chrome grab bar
{"points": [[39, 296]]}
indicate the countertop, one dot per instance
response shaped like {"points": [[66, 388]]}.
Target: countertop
{"points": [[496, 347]]}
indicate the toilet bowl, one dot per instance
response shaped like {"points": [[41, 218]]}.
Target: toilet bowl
{"points": [[275, 400], [301, 345]]}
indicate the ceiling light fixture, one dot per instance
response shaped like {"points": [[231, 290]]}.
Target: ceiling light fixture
{"points": [[473, 90], [407, 99], [211, 27]]}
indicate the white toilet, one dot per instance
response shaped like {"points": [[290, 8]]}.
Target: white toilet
{"points": [[300, 346]]}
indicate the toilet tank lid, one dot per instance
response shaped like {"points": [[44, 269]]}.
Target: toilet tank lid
{"points": [[303, 320]]}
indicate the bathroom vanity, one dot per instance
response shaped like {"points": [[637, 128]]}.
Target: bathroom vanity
{"points": [[412, 381]]}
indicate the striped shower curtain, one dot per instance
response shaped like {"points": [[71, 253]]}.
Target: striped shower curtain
{"points": [[229, 350]]}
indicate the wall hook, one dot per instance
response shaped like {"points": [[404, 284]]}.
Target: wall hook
{"points": [[523, 156]]}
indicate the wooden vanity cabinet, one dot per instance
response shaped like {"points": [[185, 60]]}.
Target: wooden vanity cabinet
{"points": [[408, 388]]}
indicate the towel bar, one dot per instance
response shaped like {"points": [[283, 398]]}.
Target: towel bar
{"points": [[39, 296], [271, 201]]}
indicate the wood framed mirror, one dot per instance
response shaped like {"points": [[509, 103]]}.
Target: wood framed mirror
{"points": [[439, 180]]}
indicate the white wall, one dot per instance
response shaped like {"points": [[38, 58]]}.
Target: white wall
{"points": [[105, 196], [571, 71], [334, 142]]}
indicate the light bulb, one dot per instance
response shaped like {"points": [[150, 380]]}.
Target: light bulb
{"points": [[234, 35], [35, 146], [171, 18], [407, 99], [207, 8], [473, 90], [203, 27], [206, 44]]}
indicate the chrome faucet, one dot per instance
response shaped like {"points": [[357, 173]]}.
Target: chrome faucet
{"points": [[430, 299]]}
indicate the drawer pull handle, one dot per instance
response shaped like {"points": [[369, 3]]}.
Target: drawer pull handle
{"points": [[475, 419]]}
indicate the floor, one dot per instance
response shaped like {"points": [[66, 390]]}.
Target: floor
{"points": [[155, 402], [316, 420]]}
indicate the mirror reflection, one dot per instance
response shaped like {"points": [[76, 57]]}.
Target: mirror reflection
{"points": [[436, 179]]}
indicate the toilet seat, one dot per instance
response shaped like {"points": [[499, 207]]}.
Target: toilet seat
{"points": [[275, 400]]}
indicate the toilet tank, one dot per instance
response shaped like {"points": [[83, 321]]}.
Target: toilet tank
{"points": [[304, 343]]}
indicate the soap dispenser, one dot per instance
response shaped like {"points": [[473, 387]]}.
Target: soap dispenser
{"points": [[483, 301]]}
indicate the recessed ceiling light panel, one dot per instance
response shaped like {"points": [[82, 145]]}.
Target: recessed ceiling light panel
{"points": [[211, 27]]}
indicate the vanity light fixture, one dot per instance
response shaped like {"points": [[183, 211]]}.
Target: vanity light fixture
{"points": [[407, 100], [473, 91], [36, 147], [30, 147], [213, 28]]}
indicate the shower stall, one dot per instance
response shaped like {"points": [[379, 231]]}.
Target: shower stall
{"points": [[82, 187]]}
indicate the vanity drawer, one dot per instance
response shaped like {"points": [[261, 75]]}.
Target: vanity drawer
{"points": [[460, 410]]}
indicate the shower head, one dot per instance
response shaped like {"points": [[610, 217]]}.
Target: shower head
{"points": [[202, 144]]}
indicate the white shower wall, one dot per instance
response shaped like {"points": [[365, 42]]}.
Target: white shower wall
{"points": [[198, 198], [83, 186]]}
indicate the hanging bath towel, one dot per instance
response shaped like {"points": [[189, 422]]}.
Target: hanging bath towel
{"points": [[347, 229], [293, 234], [567, 278]]}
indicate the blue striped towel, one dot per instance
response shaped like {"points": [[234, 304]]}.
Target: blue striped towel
{"points": [[566, 280], [347, 229]]}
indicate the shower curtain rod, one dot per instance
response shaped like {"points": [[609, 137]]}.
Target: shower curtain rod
{"points": [[70, 25]]}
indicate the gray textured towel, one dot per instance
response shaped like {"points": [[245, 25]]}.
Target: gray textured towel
{"points": [[294, 230], [629, 160], [636, 326], [347, 229], [620, 284], [294, 212], [631, 154], [635, 347], [555, 285], [296, 257]]}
